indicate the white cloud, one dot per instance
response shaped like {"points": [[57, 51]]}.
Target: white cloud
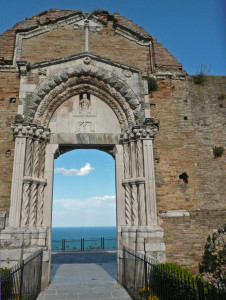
{"points": [[75, 204], [78, 172], [103, 198]]}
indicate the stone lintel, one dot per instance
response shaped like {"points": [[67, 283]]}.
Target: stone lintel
{"points": [[175, 213]]}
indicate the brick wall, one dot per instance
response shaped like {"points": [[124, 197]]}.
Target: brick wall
{"points": [[9, 87], [109, 44], [185, 237], [192, 121], [61, 42]]}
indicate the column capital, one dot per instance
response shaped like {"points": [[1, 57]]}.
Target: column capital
{"points": [[145, 131], [30, 130]]}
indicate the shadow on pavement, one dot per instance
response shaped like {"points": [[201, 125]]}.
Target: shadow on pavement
{"points": [[106, 260]]}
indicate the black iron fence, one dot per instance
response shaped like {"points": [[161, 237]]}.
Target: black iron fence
{"points": [[84, 244], [147, 279], [23, 282]]}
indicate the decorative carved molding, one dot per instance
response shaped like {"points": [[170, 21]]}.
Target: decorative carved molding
{"points": [[146, 131], [89, 74], [45, 112], [132, 37], [30, 130]]}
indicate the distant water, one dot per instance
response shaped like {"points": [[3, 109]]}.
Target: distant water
{"points": [[91, 235]]}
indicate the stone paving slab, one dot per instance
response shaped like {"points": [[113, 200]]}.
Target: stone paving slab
{"points": [[86, 281]]}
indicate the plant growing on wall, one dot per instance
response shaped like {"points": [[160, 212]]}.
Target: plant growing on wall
{"points": [[200, 76], [152, 84], [218, 151], [213, 266]]}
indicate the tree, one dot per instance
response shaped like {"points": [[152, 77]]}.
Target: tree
{"points": [[213, 266]]}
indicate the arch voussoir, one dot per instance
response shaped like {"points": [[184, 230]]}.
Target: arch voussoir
{"points": [[104, 80]]}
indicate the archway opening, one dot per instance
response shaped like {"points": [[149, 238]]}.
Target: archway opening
{"points": [[84, 201]]}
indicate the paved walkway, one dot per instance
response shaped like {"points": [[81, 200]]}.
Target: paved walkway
{"points": [[84, 276]]}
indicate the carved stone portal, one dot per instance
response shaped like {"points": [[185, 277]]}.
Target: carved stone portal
{"points": [[86, 106]]}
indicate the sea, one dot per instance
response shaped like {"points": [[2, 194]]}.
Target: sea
{"points": [[83, 238]]}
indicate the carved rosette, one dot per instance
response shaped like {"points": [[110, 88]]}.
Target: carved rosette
{"points": [[41, 188], [33, 203], [25, 204], [134, 204]]}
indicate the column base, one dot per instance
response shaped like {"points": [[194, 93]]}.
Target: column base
{"points": [[19, 243]]}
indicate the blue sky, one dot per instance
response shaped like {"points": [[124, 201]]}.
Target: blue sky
{"points": [[192, 30], [84, 189]]}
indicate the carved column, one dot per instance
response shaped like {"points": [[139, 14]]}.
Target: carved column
{"points": [[127, 203], [41, 188], [19, 134], [133, 159], [141, 204], [151, 212], [141, 177], [134, 204], [126, 156], [26, 199], [140, 162]]}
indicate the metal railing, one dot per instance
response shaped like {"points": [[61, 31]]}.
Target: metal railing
{"points": [[23, 282], [84, 244], [147, 279]]}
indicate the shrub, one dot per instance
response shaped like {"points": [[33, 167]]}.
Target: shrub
{"points": [[213, 266], [218, 151], [221, 97], [200, 76], [97, 12], [152, 84]]}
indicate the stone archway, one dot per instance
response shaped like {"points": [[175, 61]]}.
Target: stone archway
{"points": [[43, 129]]}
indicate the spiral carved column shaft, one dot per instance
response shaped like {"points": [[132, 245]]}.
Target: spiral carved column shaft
{"points": [[35, 172], [42, 159], [25, 204], [141, 204], [40, 203], [134, 204], [132, 159], [140, 163], [127, 204], [33, 204], [126, 156], [28, 159]]}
